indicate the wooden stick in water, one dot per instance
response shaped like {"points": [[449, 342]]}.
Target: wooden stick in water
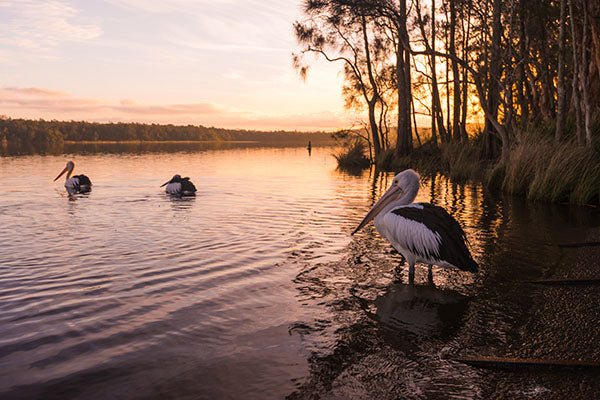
{"points": [[575, 245], [510, 362], [565, 282]]}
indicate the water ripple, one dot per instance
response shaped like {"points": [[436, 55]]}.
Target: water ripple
{"points": [[255, 288]]}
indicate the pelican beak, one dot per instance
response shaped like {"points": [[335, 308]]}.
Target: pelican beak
{"points": [[61, 174], [166, 183], [390, 195]]}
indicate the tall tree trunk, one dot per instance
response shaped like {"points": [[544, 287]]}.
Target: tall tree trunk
{"points": [[434, 89], [509, 109], [447, 49], [523, 94], [414, 119], [593, 12], [576, 66], [455, 74], [584, 73], [372, 103], [436, 117], [560, 112], [490, 149], [465, 93], [409, 98], [404, 141], [547, 76], [437, 114]]}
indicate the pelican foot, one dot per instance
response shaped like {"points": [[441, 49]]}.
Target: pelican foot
{"points": [[398, 274]]}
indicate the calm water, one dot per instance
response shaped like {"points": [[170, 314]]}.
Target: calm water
{"points": [[255, 288]]}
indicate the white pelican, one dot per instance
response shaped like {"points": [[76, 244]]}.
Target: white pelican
{"points": [[179, 186], [76, 184], [421, 232]]}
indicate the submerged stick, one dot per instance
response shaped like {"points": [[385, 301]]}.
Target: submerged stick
{"points": [[565, 282], [510, 362], [576, 245]]}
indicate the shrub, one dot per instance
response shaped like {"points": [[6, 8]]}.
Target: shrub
{"points": [[353, 155]]}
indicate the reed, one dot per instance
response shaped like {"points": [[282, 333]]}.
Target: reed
{"points": [[565, 172], [461, 161], [353, 155]]}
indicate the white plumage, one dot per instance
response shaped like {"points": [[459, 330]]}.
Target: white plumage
{"points": [[421, 232], [77, 183], [173, 188], [405, 234], [178, 186]]}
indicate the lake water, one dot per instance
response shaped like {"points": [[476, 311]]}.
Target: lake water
{"points": [[255, 289]]}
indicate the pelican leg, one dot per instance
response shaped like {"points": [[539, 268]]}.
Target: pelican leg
{"points": [[430, 274], [411, 274], [398, 273]]}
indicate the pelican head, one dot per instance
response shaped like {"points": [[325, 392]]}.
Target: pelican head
{"points": [[174, 179], [403, 191], [69, 167]]}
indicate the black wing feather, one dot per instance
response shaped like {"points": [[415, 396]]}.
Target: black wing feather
{"points": [[83, 180], [187, 186], [453, 246]]}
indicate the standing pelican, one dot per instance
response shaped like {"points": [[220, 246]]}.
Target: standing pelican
{"points": [[421, 232], [76, 184], [179, 186]]}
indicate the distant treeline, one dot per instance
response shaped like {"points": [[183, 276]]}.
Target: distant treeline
{"points": [[40, 133]]}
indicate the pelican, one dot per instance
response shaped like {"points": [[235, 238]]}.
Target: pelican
{"points": [[179, 186], [421, 232], [76, 184]]}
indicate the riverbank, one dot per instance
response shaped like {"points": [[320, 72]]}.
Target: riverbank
{"points": [[537, 170], [46, 134]]}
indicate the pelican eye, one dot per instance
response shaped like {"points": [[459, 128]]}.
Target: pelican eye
{"points": [[395, 181]]}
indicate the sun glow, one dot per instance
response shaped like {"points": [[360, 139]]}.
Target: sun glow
{"points": [[180, 61]]}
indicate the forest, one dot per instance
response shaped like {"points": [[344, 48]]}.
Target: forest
{"points": [[42, 134], [507, 90]]}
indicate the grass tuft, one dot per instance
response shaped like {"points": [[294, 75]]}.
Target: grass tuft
{"points": [[565, 172], [353, 155], [461, 161]]}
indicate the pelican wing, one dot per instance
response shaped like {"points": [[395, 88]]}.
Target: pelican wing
{"points": [[83, 180], [431, 233], [187, 186]]}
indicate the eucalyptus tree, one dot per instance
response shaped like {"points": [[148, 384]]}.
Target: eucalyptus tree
{"points": [[346, 32], [560, 86]]}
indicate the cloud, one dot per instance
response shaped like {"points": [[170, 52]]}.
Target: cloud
{"points": [[174, 109], [34, 102], [30, 91], [43, 25], [220, 25]]}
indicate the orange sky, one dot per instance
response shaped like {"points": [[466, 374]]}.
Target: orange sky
{"points": [[216, 63]]}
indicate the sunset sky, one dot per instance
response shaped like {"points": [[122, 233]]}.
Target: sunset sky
{"points": [[218, 63]]}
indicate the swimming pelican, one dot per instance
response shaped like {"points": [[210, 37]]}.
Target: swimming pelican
{"points": [[76, 184], [421, 232], [179, 186]]}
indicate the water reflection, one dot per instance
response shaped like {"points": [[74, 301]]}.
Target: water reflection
{"points": [[255, 288], [181, 203], [135, 147], [386, 340], [422, 310]]}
